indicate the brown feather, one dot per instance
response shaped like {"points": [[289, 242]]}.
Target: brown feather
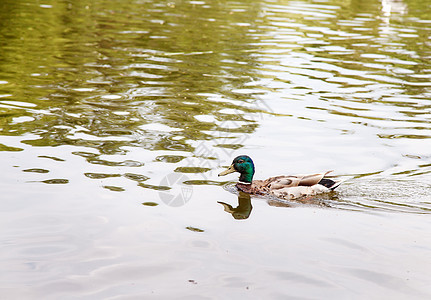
{"points": [[286, 187]]}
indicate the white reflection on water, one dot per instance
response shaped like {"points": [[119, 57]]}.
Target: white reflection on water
{"points": [[129, 251]]}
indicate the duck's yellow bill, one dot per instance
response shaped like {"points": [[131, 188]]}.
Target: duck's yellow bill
{"points": [[231, 169]]}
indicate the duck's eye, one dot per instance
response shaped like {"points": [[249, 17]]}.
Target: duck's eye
{"points": [[240, 161]]}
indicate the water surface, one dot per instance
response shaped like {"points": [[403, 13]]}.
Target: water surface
{"points": [[116, 117]]}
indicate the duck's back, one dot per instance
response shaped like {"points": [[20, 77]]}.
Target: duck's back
{"points": [[291, 186], [283, 181]]}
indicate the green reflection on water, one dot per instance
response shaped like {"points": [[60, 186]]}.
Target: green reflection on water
{"points": [[242, 210], [98, 70], [191, 82]]}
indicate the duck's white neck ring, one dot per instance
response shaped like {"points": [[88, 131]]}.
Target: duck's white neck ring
{"points": [[244, 182]]}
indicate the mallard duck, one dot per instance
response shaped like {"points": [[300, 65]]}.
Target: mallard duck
{"points": [[285, 187]]}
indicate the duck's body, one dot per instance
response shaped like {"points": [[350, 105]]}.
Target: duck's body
{"points": [[285, 187]]}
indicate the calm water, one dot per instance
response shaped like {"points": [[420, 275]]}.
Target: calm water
{"points": [[116, 117]]}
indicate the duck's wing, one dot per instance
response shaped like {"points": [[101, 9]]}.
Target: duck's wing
{"points": [[311, 179], [280, 182]]}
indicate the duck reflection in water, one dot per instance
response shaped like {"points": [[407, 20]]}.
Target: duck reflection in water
{"points": [[243, 210]]}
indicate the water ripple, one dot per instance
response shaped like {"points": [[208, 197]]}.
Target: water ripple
{"points": [[102, 101]]}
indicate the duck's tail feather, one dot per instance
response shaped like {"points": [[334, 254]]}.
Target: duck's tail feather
{"points": [[330, 184]]}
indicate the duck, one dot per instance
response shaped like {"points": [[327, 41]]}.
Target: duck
{"points": [[288, 187]]}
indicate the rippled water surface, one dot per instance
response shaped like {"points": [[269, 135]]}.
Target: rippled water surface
{"points": [[117, 116]]}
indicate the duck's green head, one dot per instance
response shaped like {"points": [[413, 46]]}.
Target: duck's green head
{"points": [[244, 165]]}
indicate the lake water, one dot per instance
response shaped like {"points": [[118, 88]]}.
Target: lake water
{"points": [[117, 116]]}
